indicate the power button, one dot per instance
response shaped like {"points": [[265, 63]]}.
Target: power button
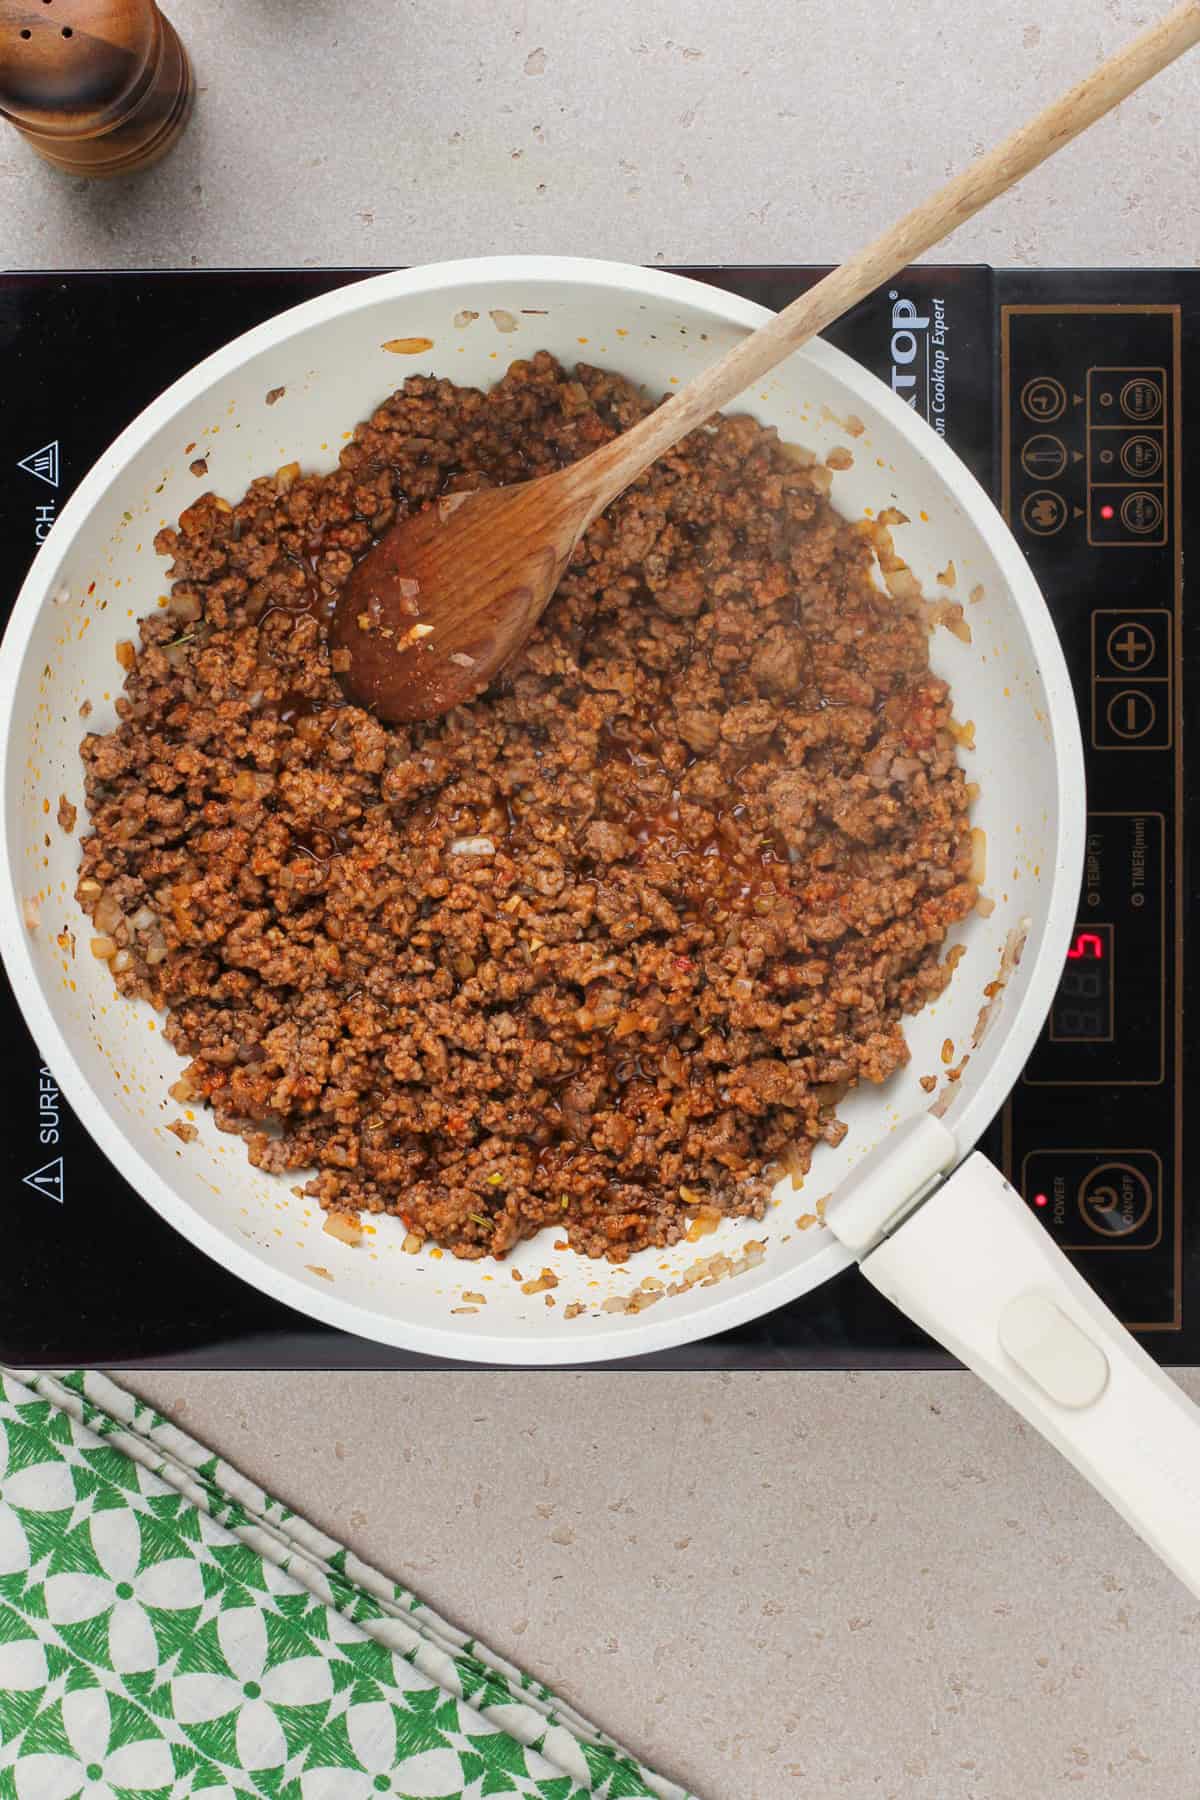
{"points": [[1115, 1199]]}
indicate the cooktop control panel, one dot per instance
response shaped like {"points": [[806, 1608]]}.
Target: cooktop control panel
{"points": [[1090, 478]]}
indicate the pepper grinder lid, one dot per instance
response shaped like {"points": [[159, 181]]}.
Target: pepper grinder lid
{"points": [[98, 87]]}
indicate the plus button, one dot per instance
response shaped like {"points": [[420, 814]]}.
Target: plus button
{"points": [[1131, 646]]}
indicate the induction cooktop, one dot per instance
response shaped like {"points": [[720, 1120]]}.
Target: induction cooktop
{"points": [[1074, 396]]}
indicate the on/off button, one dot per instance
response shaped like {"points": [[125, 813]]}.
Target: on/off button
{"points": [[1115, 1199]]}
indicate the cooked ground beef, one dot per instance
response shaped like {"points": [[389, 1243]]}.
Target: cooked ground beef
{"points": [[603, 948]]}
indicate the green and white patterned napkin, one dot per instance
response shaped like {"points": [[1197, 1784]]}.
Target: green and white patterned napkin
{"points": [[167, 1629]]}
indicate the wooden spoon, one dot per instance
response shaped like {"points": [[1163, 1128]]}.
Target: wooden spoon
{"points": [[434, 611]]}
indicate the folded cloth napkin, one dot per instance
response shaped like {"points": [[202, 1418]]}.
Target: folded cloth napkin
{"points": [[167, 1629]]}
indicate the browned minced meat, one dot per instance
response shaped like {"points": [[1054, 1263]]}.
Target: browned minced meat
{"points": [[727, 835]]}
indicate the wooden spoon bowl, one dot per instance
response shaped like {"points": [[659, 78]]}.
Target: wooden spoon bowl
{"points": [[430, 616]]}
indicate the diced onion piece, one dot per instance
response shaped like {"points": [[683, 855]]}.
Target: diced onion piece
{"points": [[902, 584], [107, 915], [185, 606], [705, 1222], [342, 1226], [978, 855]]}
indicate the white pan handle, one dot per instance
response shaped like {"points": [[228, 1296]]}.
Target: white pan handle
{"points": [[974, 1268]]}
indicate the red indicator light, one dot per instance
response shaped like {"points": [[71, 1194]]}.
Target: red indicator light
{"points": [[1040, 1200], [1106, 512], [1087, 945]]}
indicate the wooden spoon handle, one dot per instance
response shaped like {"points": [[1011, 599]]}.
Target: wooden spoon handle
{"points": [[918, 231]]}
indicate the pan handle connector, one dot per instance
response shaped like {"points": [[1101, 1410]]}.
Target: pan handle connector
{"points": [[974, 1269]]}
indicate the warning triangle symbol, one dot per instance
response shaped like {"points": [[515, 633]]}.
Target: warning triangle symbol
{"points": [[43, 463], [48, 1179]]}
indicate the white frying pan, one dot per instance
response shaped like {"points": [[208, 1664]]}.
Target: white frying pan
{"points": [[946, 1239]]}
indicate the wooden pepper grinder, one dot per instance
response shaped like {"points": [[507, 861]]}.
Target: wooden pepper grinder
{"points": [[99, 87]]}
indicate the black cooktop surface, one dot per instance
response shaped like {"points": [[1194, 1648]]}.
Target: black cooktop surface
{"points": [[1075, 397]]}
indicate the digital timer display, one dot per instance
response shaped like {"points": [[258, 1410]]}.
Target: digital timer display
{"points": [[1083, 1005]]}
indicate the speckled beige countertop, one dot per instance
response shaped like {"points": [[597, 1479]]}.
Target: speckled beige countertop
{"points": [[775, 1587], [877, 1587], [651, 130]]}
